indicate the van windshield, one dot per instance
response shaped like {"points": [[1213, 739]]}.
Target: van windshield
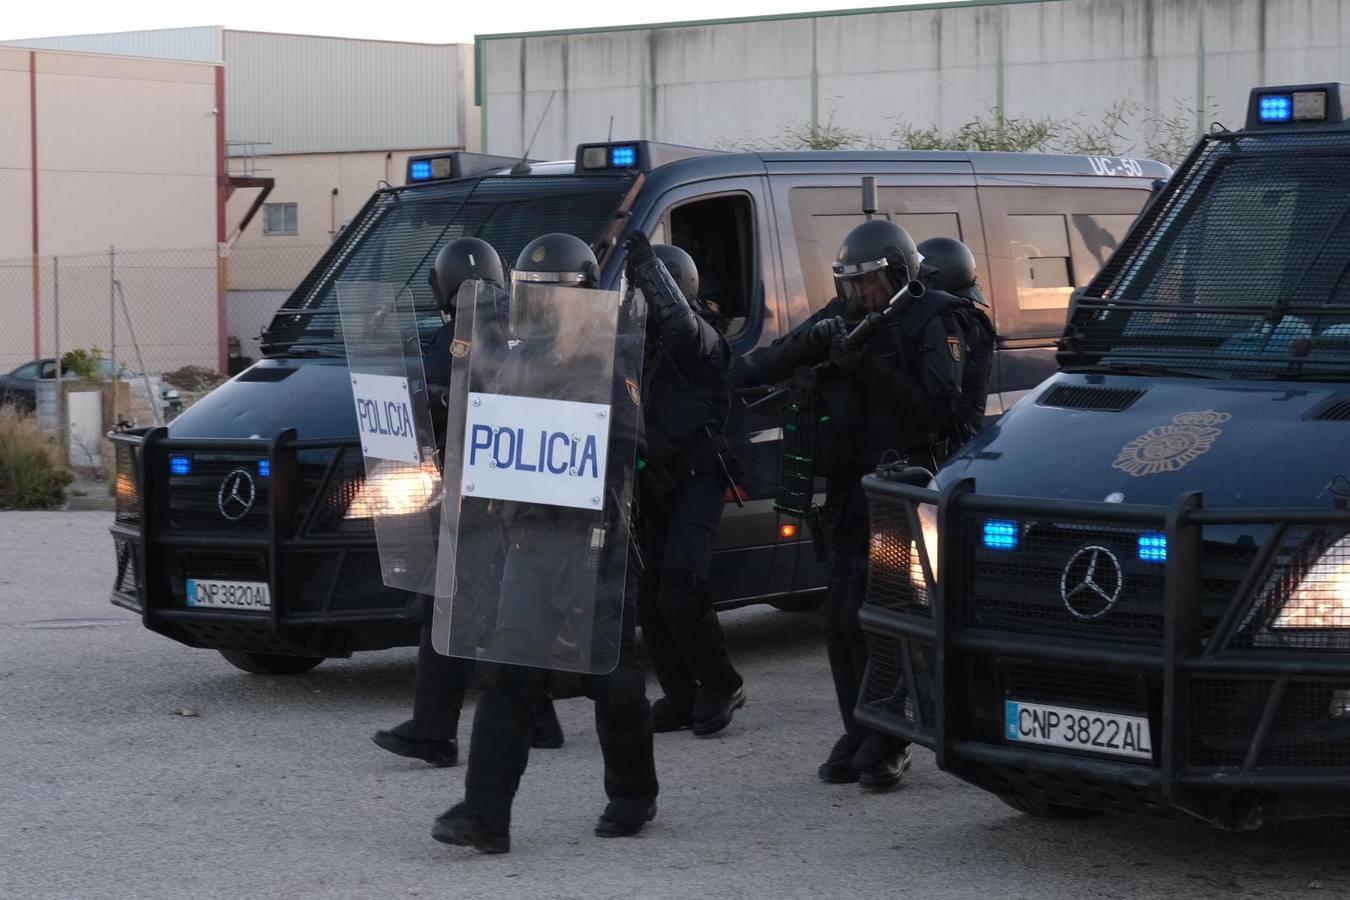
{"points": [[1241, 268], [395, 238]]}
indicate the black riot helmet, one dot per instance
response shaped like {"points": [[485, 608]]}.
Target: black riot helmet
{"points": [[558, 259], [681, 267], [948, 264], [876, 260], [461, 260]]}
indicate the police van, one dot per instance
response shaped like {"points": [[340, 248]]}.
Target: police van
{"points": [[1132, 593], [245, 525]]}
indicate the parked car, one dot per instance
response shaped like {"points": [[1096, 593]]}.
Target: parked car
{"points": [[19, 387]]}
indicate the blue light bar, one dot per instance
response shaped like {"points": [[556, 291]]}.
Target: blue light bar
{"points": [[264, 467], [180, 465], [1153, 547], [623, 157], [420, 170], [1000, 534], [1276, 108]]}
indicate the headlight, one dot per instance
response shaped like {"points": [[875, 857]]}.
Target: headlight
{"points": [[929, 537], [1322, 598], [396, 492]]}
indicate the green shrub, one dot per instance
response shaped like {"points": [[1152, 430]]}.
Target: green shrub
{"points": [[31, 474]]}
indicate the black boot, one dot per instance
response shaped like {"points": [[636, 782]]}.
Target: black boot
{"points": [[462, 826], [713, 709], [546, 733], [881, 762], [410, 740], [672, 714], [625, 818], [839, 768]]}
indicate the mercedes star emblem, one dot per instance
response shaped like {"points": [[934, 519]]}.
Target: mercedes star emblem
{"points": [[1091, 582], [236, 495]]}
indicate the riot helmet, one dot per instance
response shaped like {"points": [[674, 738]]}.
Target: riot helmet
{"points": [[876, 260], [681, 267], [463, 259], [948, 264], [560, 259], [547, 264]]}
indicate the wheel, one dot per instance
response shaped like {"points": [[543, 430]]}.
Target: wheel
{"points": [[799, 603], [270, 663], [1042, 810]]}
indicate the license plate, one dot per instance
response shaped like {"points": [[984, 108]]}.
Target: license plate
{"points": [[1078, 729], [252, 596]]}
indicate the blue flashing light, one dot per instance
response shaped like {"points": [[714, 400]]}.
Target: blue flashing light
{"points": [[264, 467], [180, 465], [1153, 547], [1000, 534], [1276, 108], [420, 170], [623, 157]]}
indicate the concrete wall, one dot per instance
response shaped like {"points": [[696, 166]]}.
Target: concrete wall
{"points": [[739, 82], [126, 156]]}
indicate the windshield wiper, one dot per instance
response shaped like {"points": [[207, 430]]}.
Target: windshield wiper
{"points": [[1146, 368]]}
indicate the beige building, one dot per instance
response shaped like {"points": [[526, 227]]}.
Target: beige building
{"points": [[102, 151], [312, 126]]}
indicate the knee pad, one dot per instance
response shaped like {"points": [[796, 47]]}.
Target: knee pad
{"points": [[623, 692], [683, 597]]}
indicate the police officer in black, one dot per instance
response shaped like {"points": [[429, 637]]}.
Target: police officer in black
{"points": [[949, 266], [896, 393], [438, 689], [686, 397], [499, 749]]}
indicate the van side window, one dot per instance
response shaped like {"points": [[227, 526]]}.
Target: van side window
{"points": [[1040, 254], [718, 232], [821, 229]]}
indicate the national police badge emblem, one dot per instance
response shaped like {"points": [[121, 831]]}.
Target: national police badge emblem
{"points": [[954, 348], [633, 393], [459, 348], [1169, 448]]}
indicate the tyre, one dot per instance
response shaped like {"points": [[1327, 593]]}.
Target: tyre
{"points": [[1042, 810], [800, 603], [270, 663]]}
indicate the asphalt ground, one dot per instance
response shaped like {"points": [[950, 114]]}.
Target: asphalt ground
{"points": [[271, 788]]}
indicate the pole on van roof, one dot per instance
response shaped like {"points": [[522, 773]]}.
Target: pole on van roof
{"points": [[869, 195]]}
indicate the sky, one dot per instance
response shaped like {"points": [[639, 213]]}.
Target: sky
{"points": [[448, 21]]}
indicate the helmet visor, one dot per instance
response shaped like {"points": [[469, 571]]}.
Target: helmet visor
{"points": [[866, 291]]}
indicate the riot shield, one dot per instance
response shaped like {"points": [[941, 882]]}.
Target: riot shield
{"points": [[541, 461], [402, 490]]}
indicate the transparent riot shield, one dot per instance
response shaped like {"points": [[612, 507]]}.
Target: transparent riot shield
{"points": [[540, 466], [402, 489]]}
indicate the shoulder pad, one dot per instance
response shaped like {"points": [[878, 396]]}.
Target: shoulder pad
{"points": [[920, 312]]}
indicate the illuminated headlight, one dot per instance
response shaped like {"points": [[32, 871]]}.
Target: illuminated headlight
{"points": [[1322, 598], [929, 536], [396, 492]]}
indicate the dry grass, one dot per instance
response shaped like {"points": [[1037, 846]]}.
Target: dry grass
{"points": [[31, 473]]}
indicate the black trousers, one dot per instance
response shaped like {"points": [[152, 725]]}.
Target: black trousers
{"points": [[499, 750], [438, 690], [846, 519], [680, 629]]}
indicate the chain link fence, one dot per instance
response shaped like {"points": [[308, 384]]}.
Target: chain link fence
{"points": [[141, 333]]}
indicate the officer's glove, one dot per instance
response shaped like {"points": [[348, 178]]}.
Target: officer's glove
{"points": [[843, 356], [824, 332], [639, 250]]}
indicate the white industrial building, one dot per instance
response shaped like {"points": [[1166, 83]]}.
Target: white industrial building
{"points": [[312, 125], [737, 81]]}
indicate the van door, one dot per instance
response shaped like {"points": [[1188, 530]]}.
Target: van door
{"points": [[726, 226], [1045, 242]]}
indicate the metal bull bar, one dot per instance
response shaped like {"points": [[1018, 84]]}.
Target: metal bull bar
{"points": [[1237, 708]]}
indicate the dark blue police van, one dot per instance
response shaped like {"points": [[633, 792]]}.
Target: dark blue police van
{"points": [[1132, 592], [244, 525]]}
